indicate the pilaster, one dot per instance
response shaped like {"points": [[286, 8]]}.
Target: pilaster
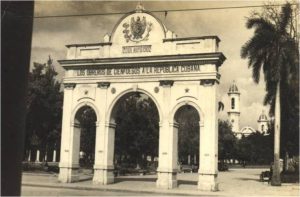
{"points": [[104, 166], [168, 134], [68, 170], [208, 160], [105, 140]]}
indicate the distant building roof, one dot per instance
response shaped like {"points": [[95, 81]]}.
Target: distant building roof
{"points": [[233, 88], [247, 130], [262, 117]]}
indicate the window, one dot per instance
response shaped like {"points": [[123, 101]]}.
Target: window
{"points": [[262, 127], [232, 103]]}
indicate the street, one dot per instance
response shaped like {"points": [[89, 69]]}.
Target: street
{"points": [[235, 181], [44, 191]]}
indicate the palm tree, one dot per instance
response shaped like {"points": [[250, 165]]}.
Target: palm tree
{"points": [[273, 50], [220, 106]]}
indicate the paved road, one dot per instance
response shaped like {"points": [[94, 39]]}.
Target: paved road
{"points": [[43, 191], [242, 182]]}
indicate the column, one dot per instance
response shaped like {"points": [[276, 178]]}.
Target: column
{"points": [[189, 159], [68, 165], [37, 159], [29, 155], [45, 158], [105, 141], [54, 156], [208, 159], [168, 134], [104, 164]]}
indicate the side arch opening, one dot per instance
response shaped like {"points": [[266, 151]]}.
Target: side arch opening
{"points": [[188, 119], [84, 134]]}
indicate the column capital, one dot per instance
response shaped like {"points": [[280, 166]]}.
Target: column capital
{"points": [[208, 82], [73, 124], [201, 123], [69, 86], [174, 124], [110, 124], [97, 123], [103, 85], [166, 83]]}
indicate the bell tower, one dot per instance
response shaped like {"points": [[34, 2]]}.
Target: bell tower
{"points": [[262, 121], [234, 111]]}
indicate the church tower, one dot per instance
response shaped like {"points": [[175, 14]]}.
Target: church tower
{"points": [[234, 111], [262, 121]]}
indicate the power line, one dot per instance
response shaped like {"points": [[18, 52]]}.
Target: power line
{"points": [[163, 11]]}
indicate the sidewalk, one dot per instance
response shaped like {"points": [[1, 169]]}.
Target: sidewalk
{"points": [[236, 182]]}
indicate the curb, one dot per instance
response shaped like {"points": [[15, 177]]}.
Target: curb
{"points": [[117, 190], [38, 174]]}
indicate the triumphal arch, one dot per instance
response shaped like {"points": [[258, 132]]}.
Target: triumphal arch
{"points": [[142, 55]]}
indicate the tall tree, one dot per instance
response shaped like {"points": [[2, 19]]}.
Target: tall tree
{"points": [[274, 50], [255, 148], [188, 132], [227, 141], [87, 119], [44, 108], [137, 128]]}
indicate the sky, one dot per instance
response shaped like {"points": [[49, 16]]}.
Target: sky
{"points": [[50, 35]]}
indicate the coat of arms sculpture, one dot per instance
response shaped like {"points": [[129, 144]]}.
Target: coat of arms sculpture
{"points": [[138, 30]]}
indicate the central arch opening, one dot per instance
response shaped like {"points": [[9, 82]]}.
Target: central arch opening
{"points": [[136, 137]]}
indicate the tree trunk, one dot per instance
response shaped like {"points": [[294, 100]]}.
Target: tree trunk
{"points": [[276, 169], [286, 159]]}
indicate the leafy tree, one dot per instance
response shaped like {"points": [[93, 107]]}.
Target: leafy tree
{"points": [[137, 129], [87, 119], [188, 132], [227, 141], [44, 108], [220, 106], [255, 148], [274, 49]]}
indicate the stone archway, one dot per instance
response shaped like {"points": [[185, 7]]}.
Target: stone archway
{"points": [[172, 71]]}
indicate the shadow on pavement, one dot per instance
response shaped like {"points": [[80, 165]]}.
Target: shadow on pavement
{"points": [[248, 179], [122, 179], [185, 182]]}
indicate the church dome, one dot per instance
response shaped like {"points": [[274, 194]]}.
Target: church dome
{"points": [[233, 88], [247, 130], [263, 117]]}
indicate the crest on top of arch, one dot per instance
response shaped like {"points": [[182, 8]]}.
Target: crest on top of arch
{"points": [[138, 27]]}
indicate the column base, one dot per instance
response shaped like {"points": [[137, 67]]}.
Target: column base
{"points": [[103, 176], [68, 175], [166, 180], [208, 182]]}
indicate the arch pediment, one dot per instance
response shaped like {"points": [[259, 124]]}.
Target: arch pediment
{"points": [[137, 33], [138, 28]]}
